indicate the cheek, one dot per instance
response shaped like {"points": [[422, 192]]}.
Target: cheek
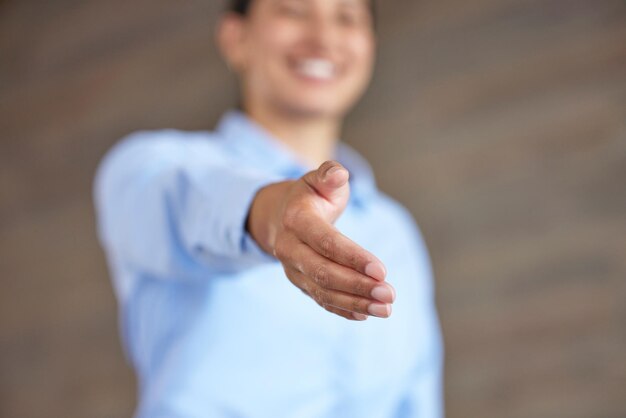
{"points": [[263, 57], [362, 48], [269, 44]]}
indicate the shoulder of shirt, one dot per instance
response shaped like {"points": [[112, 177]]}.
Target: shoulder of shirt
{"points": [[151, 151], [166, 146], [168, 142]]}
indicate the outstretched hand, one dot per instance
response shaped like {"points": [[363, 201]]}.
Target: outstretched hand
{"points": [[293, 220]]}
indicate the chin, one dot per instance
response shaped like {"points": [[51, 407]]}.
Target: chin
{"points": [[313, 112], [317, 107]]}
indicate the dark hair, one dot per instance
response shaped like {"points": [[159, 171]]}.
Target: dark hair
{"points": [[242, 6]]}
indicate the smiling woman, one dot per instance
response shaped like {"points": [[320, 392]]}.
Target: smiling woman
{"points": [[210, 234], [309, 60]]}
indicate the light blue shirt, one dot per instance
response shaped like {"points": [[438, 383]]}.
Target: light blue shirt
{"points": [[210, 322]]}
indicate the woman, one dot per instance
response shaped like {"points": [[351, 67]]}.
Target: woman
{"points": [[209, 235]]}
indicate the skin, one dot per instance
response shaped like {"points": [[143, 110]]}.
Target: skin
{"points": [[293, 220]]}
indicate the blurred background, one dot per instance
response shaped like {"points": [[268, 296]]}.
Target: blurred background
{"points": [[501, 125]]}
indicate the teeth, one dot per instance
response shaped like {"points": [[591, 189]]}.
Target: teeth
{"points": [[317, 68]]}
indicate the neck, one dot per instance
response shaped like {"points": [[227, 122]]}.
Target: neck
{"points": [[313, 140]]}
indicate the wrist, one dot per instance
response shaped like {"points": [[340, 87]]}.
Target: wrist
{"points": [[263, 217]]}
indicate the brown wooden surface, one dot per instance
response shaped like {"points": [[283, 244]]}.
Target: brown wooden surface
{"points": [[501, 124]]}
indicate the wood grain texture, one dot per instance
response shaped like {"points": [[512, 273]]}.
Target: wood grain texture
{"points": [[501, 124]]}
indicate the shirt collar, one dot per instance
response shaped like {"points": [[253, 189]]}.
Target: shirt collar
{"points": [[251, 141]]}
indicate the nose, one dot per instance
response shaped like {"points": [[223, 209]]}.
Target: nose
{"points": [[322, 32]]}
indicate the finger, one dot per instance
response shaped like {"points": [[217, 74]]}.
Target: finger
{"points": [[332, 276], [344, 301], [359, 317], [326, 240], [298, 279], [330, 181], [352, 316]]}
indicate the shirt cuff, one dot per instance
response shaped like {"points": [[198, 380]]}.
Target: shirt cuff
{"points": [[223, 235]]}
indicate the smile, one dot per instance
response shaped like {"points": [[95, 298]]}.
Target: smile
{"points": [[316, 68]]}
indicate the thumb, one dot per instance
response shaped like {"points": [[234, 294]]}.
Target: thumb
{"points": [[330, 181]]}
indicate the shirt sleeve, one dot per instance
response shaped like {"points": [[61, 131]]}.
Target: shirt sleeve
{"points": [[176, 208]]}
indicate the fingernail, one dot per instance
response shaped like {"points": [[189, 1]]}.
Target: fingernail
{"points": [[331, 171], [381, 310], [359, 316], [383, 294], [375, 270]]}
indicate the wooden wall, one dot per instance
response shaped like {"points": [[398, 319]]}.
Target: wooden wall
{"points": [[501, 124]]}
